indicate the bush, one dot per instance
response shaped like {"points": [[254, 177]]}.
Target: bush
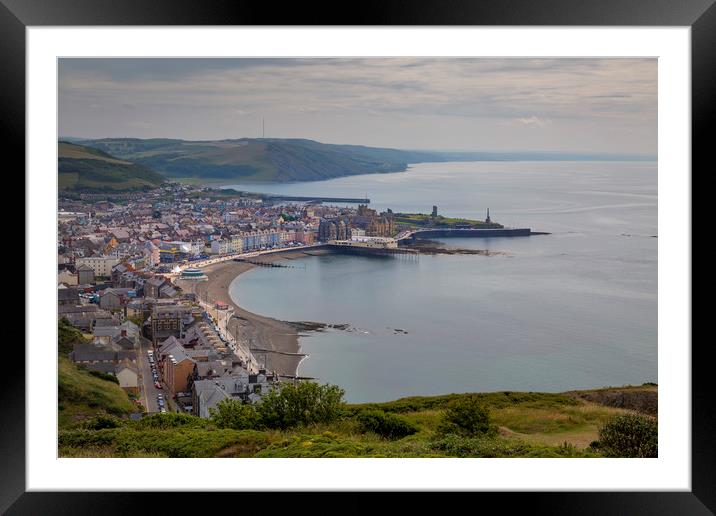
{"points": [[231, 413], [629, 435], [100, 422], [67, 336], [306, 403], [454, 445], [468, 417], [385, 425], [168, 420], [105, 376]]}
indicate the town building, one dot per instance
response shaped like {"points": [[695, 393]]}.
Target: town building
{"points": [[85, 274], [241, 386], [169, 320], [101, 265], [68, 296]]}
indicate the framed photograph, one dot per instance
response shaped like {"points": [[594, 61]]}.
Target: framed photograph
{"points": [[436, 248]]}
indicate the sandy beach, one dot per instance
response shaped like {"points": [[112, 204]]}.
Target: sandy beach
{"points": [[280, 338]]}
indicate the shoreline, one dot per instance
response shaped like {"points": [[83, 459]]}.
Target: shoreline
{"points": [[248, 328], [280, 338]]}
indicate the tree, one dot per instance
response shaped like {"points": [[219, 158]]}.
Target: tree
{"points": [[629, 435], [306, 403], [385, 425], [466, 416], [138, 320], [231, 413]]}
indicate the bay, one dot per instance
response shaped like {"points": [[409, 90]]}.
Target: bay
{"points": [[573, 309]]}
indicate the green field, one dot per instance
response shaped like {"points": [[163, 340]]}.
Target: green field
{"points": [[528, 425]]}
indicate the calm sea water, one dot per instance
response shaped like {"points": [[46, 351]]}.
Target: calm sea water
{"points": [[574, 309]]}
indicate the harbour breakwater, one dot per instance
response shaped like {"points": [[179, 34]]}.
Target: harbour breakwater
{"points": [[472, 232]]}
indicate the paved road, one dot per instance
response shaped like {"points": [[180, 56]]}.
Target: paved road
{"points": [[148, 396]]}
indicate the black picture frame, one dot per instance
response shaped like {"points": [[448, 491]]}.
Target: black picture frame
{"points": [[700, 15]]}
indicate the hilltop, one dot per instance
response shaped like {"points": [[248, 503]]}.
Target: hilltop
{"points": [[257, 160], [281, 160], [82, 168]]}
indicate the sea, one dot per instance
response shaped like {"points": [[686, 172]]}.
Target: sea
{"points": [[575, 309]]}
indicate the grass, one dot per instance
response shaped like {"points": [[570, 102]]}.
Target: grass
{"points": [[87, 169], [530, 425], [71, 150], [255, 160], [82, 395], [422, 220]]}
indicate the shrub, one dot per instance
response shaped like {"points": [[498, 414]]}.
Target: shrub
{"points": [[629, 435], [468, 417], [385, 425], [100, 422], [67, 336], [231, 413], [306, 403], [454, 445], [105, 376], [164, 421]]}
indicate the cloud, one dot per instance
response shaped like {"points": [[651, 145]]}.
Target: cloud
{"points": [[408, 93], [532, 120]]}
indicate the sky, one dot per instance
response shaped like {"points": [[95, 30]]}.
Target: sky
{"points": [[470, 104]]}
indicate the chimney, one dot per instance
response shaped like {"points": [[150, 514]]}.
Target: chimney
{"points": [[124, 332]]}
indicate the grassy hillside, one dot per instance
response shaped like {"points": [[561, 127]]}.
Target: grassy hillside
{"points": [[82, 168], [527, 425], [286, 160], [257, 160], [82, 395]]}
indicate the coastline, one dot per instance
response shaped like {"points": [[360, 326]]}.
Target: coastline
{"points": [[254, 330]]}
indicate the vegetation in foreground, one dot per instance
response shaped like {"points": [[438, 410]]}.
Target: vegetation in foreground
{"points": [[311, 420]]}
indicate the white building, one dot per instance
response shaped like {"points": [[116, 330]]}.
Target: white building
{"points": [[101, 265], [197, 248]]}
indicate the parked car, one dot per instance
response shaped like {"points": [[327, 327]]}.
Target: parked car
{"points": [[157, 385]]}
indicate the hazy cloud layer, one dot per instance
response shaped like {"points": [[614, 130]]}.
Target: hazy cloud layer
{"points": [[597, 105]]}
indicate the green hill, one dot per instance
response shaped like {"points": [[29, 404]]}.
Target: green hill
{"points": [[288, 160], [82, 168], [258, 160], [82, 394]]}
